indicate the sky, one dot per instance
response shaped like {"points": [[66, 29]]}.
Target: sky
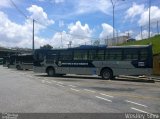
{"points": [[60, 22]]}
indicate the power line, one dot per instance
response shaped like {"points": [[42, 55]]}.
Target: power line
{"points": [[55, 30], [21, 12]]}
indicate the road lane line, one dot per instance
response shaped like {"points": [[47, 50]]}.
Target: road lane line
{"points": [[72, 86], [90, 90], [139, 110], [60, 82], [60, 85], [107, 95], [133, 108], [54, 81], [104, 99], [48, 82], [74, 89], [136, 103]]}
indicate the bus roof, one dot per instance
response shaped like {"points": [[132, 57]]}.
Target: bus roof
{"points": [[83, 47]]}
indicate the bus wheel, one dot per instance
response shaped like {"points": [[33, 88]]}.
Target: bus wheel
{"points": [[18, 67], [107, 74], [50, 72]]}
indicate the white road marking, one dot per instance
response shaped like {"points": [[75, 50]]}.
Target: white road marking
{"points": [[75, 89], [136, 103], [48, 81], [60, 82], [60, 85], [89, 90], [54, 81], [107, 95], [133, 108], [139, 110], [37, 78], [104, 99], [72, 86]]}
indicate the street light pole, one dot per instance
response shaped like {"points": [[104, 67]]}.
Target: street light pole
{"points": [[113, 5], [149, 18], [33, 36]]}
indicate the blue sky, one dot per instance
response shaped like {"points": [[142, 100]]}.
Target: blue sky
{"points": [[79, 21]]}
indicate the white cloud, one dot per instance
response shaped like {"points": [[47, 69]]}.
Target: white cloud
{"points": [[143, 36], [61, 23], [154, 15], [20, 35], [53, 1], [79, 29], [134, 11], [5, 3], [107, 30], [78, 34], [87, 6], [60, 40], [39, 14], [57, 1]]}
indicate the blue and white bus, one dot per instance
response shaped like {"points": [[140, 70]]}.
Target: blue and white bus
{"points": [[6, 61], [21, 61], [106, 62]]}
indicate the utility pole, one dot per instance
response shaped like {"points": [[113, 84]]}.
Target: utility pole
{"points": [[33, 36], [113, 6], [141, 33], [149, 18], [157, 27], [61, 39]]}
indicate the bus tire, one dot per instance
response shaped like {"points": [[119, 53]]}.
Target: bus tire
{"points": [[107, 74], [50, 72], [18, 67]]}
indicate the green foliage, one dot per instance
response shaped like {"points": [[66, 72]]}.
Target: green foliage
{"points": [[155, 41], [47, 46]]}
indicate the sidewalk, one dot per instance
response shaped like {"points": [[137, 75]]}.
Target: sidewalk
{"points": [[155, 77]]}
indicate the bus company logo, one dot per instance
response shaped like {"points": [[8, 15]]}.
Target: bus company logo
{"points": [[59, 63], [9, 116]]}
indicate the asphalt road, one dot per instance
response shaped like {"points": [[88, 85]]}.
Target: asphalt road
{"points": [[27, 92]]}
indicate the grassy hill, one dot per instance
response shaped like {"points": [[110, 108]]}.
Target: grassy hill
{"points": [[155, 41]]}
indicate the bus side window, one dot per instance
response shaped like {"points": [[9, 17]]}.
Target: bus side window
{"points": [[92, 54], [65, 55], [107, 55], [143, 54], [113, 54], [80, 55], [100, 55], [130, 54]]}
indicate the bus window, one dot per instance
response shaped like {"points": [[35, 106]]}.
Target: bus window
{"points": [[107, 55], [96, 55], [143, 54], [99, 55], [80, 55], [114, 54], [92, 54], [130, 54], [65, 55], [52, 55]]}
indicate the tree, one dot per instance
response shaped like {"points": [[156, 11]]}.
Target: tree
{"points": [[96, 43], [47, 46]]}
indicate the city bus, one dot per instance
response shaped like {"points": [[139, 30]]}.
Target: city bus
{"points": [[1, 61], [21, 61], [5, 61], [106, 61]]}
